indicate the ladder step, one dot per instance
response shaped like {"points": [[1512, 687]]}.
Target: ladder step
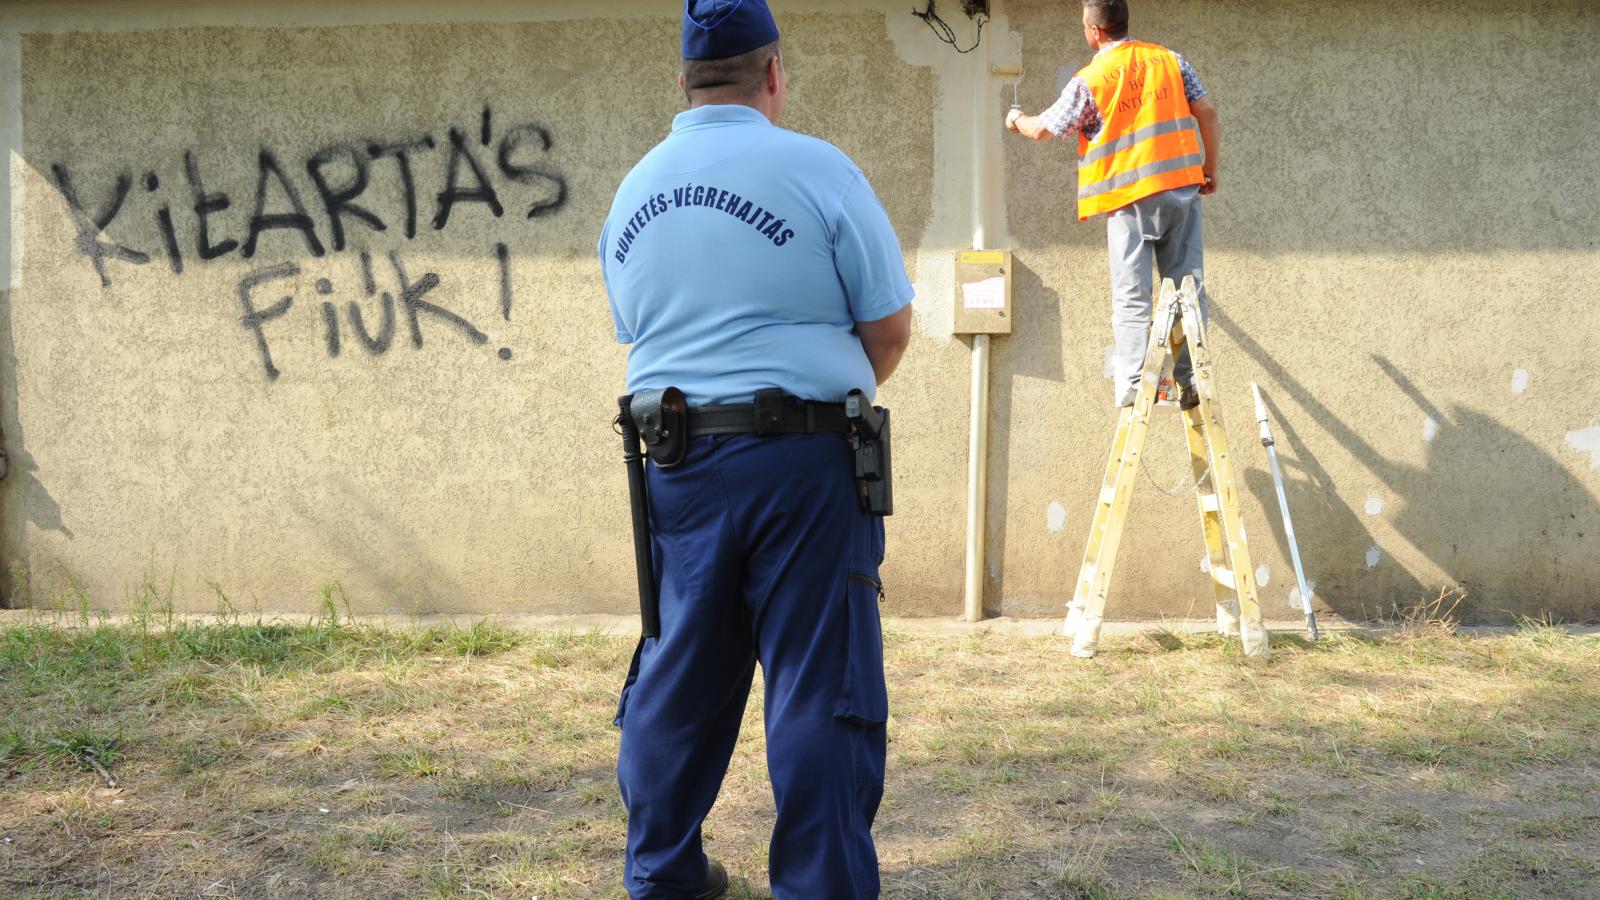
{"points": [[1224, 577], [1108, 495], [1210, 503]]}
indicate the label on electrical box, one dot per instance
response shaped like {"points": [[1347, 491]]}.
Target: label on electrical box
{"points": [[989, 293], [983, 292]]}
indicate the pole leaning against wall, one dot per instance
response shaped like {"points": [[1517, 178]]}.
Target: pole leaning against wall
{"points": [[1283, 505]]}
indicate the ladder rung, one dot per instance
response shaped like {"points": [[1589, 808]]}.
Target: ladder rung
{"points": [[1209, 503], [1224, 577]]}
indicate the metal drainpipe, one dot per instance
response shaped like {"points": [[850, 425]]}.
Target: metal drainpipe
{"points": [[978, 443]]}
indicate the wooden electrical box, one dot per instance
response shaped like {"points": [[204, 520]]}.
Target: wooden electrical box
{"points": [[983, 292]]}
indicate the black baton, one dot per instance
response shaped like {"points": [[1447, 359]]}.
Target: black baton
{"points": [[643, 560]]}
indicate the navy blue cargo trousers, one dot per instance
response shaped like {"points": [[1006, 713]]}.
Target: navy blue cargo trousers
{"points": [[762, 555]]}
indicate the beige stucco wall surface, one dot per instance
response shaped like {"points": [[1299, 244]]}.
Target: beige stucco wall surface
{"points": [[1391, 258]]}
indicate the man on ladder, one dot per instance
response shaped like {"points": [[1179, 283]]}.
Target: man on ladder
{"points": [[1134, 109]]}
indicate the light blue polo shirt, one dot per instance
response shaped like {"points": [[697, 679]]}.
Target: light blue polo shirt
{"points": [[739, 256]]}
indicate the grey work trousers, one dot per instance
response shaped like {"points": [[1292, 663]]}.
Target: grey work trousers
{"points": [[1165, 226]]}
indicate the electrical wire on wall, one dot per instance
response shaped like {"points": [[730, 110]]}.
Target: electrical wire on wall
{"points": [[946, 34]]}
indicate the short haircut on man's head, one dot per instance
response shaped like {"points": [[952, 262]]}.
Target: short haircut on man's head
{"points": [[736, 76], [1110, 16]]}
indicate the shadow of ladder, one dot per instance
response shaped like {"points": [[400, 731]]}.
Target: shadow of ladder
{"points": [[1211, 461]]}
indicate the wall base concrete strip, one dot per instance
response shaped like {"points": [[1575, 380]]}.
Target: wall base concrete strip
{"points": [[628, 626]]}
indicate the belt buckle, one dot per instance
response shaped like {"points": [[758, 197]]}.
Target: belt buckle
{"points": [[769, 412]]}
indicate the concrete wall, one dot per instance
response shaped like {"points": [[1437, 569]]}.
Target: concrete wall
{"points": [[1406, 199]]}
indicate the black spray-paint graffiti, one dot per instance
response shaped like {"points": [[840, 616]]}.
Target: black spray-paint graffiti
{"points": [[512, 166], [342, 179], [409, 299]]}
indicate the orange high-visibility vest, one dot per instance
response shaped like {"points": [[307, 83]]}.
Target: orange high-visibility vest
{"points": [[1148, 141]]}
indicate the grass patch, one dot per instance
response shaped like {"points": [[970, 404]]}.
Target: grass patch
{"points": [[1366, 843], [386, 834], [1569, 825], [339, 758], [410, 762], [11, 745]]}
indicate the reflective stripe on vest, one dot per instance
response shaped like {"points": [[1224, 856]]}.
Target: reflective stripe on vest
{"points": [[1148, 140]]}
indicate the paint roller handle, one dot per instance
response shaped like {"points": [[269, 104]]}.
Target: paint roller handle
{"points": [[1261, 415]]}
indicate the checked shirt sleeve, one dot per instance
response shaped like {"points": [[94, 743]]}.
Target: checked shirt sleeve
{"points": [[1192, 88], [1074, 110]]}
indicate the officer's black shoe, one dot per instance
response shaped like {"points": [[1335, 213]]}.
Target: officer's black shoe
{"points": [[1189, 399], [716, 881]]}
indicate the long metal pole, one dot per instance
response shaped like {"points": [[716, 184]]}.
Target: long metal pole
{"points": [[977, 477], [1283, 504], [978, 444]]}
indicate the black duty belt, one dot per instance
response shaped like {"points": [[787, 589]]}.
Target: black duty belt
{"points": [[768, 419], [663, 420]]}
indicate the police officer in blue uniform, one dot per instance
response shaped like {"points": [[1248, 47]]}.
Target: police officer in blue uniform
{"points": [[753, 269]]}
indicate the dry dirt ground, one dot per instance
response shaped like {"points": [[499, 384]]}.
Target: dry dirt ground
{"points": [[338, 759]]}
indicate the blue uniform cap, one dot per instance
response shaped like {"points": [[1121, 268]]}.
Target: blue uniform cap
{"points": [[718, 29]]}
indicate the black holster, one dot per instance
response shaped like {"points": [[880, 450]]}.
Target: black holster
{"points": [[869, 444], [662, 417]]}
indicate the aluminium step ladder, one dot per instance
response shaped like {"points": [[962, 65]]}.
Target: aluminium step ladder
{"points": [[1175, 323]]}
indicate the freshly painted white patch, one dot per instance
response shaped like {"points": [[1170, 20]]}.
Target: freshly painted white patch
{"points": [[1374, 504], [1430, 429], [1056, 518], [1373, 555], [13, 168], [950, 224], [1587, 440], [1294, 594], [1205, 564], [1519, 381], [935, 280], [1108, 367], [1263, 575]]}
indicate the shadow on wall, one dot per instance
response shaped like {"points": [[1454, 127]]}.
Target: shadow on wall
{"points": [[1480, 480], [22, 490], [397, 562], [1039, 305]]}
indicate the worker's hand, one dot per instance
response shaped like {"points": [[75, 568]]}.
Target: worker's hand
{"points": [[1210, 187], [1012, 116]]}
